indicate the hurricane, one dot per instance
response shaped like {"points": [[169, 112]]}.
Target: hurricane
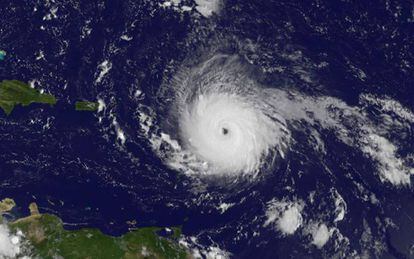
{"points": [[224, 121]]}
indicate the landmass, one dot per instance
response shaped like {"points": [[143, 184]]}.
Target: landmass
{"points": [[86, 106], [48, 239], [14, 92]]}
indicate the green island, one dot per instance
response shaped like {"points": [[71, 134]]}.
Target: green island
{"points": [[86, 106], [6, 205], [14, 92], [48, 239], [2, 54]]}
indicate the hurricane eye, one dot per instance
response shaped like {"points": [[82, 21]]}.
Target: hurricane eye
{"points": [[225, 131]]}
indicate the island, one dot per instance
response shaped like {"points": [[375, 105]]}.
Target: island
{"points": [[2, 54], [14, 92], [86, 106], [6, 205], [48, 239]]}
